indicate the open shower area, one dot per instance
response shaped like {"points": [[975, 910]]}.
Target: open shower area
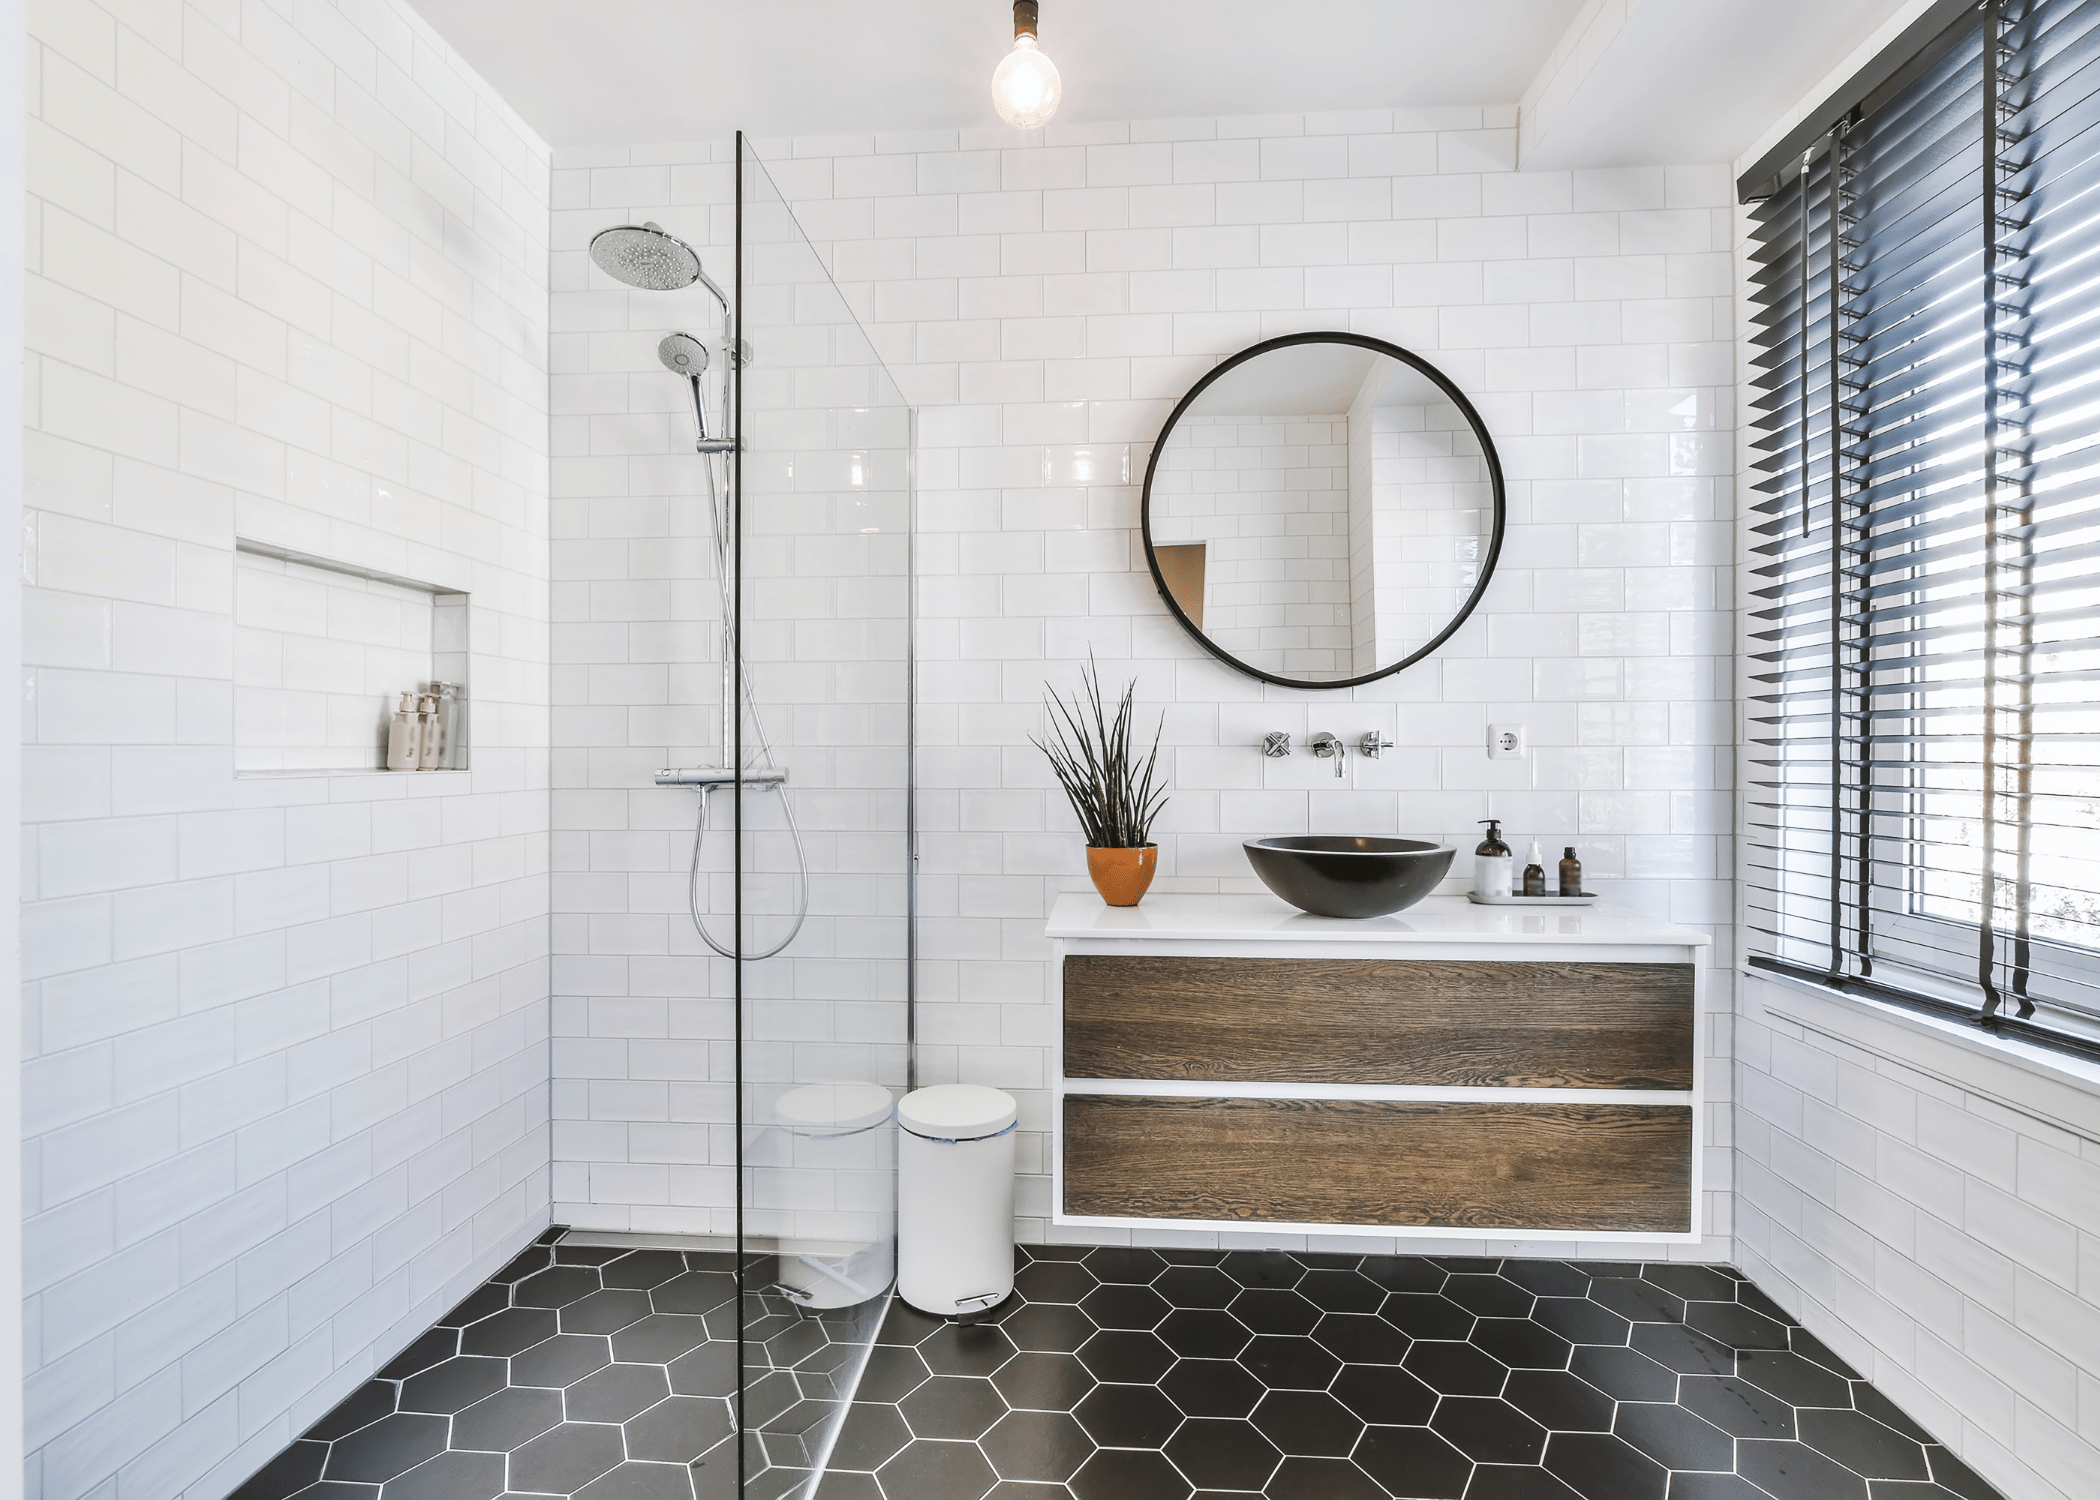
{"points": [[732, 1012]]}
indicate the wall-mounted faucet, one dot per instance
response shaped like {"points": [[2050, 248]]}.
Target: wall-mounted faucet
{"points": [[1327, 747]]}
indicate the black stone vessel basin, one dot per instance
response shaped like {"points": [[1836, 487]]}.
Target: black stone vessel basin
{"points": [[1336, 875]]}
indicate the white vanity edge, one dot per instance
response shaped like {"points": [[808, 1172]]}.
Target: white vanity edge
{"points": [[1249, 918]]}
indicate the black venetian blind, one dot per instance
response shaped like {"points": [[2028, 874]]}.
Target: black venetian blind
{"points": [[1924, 636]]}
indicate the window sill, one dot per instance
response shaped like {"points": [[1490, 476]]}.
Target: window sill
{"points": [[2057, 1088]]}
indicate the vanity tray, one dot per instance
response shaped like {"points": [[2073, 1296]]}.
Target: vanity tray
{"points": [[1588, 898]]}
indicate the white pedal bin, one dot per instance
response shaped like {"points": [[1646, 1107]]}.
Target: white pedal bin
{"points": [[955, 1198]]}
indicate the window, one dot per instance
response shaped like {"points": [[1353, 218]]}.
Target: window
{"points": [[1924, 627]]}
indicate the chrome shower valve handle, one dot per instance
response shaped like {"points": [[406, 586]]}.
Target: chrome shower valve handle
{"points": [[1374, 744]]}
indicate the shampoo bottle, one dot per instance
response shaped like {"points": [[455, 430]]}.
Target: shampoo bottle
{"points": [[403, 738], [1534, 872], [428, 751], [1492, 864], [1570, 872]]}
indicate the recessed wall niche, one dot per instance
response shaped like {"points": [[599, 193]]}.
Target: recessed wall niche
{"points": [[323, 651]]}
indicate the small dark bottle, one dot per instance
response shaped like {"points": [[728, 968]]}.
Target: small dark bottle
{"points": [[1534, 873], [1570, 872]]}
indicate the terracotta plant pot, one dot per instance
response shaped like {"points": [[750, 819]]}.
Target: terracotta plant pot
{"points": [[1122, 876]]}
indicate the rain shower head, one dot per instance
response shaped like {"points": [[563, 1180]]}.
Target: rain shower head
{"points": [[648, 256], [682, 354]]}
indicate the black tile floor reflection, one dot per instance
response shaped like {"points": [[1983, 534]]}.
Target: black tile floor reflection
{"points": [[597, 1373], [1122, 1374]]}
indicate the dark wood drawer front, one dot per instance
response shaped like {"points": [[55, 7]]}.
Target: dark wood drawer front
{"points": [[1301, 1161], [1492, 1024]]}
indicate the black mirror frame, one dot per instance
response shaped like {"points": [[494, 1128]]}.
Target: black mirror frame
{"points": [[1378, 346]]}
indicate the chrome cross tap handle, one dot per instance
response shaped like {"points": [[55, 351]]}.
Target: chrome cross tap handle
{"points": [[1374, 744], [1276, 745]]}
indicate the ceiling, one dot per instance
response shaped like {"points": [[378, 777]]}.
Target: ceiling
{"points": [[583, 72]]}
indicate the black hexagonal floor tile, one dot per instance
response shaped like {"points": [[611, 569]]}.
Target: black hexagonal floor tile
{"points": [[640, 1481], [1118, 1305], [1384, 1396], [1042, 1382], [1862, 1444], [555, 1287], [678, 1430], [1415, 1462], [451, 1476], [1403, 1273], [1361, 1339], [427, 1350], [1733, 1487], [1795, 1471], [937, 1469], [1735, 1406], [1581, 1321], [1275, 1310], [512, 1331], [1559, 1400], [659, 1338], [1685, 1350], [1128, 1416], [1126, 1358], [1307, 1424], [1123, 1264], [476, 1305], [454, 1384], [617, 1392], [1624, 1374], [693, 1292], [1793, 1379], [1262, 1268], [1212, 1388], [1223, 1453], [966, 1349], [1521, 1344], [709, 1370], [390, 1446], [1054, 1281], [1041, 1446], [953, 1406], [507, 1419], [1637, 1300], [1455, 1369], [1600, 1466], [643, 1269], [1674, 1437], [566, 1459], [1204, 1333], [1488, 1296], [606, 1311], [1127, 1474], [1321, 1479], [1289, 1362], [1693, 1283], [1548, 1278], [1517, 1482], [1196, 1286], [1488, 1430], [560, 1361], [872, 1434], [1735, 1325], [1341, 1292], [1426, 1315]]}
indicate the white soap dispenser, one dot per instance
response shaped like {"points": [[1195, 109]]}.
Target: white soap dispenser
{"points": [[403, 738], [1493, 865], [429, 752]]}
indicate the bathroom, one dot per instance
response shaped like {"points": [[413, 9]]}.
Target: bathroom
{"points": [[378, 1128]]}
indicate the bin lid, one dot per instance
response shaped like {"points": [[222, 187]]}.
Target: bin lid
{"points": [[833, 1106], [957, 1111]]}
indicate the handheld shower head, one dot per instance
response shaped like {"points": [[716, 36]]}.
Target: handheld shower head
{"points": [[646, 256], [682, 354]]}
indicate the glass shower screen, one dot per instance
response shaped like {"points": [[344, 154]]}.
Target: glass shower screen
{"points": [[822, 888]]}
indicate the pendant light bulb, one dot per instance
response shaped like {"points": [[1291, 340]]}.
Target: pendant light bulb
{"points": [[1025, 85]]}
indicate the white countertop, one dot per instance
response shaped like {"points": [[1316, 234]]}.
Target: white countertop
{"points": [[1439, 919]]}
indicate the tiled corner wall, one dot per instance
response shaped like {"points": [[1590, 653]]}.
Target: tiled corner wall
{"points": [[1933, 1213], [1044, 301], [285, 1089]]}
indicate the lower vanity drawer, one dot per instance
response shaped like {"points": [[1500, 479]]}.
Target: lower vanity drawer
{"points": [[1489, 1166]]}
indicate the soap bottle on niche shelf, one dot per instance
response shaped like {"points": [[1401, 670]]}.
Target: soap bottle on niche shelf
{"points": [[1534, 872], [1570, 872], [404, 737], [428, 751], [1492, 864]]}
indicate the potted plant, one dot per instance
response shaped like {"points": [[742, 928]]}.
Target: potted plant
{"points": [[1115, 795]]}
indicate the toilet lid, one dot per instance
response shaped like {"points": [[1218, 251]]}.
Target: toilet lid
{"points": [[833, 1106], [957, 1111]]}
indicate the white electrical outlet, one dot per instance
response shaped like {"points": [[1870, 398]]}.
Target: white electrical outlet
{"points": [[1505, 742]]}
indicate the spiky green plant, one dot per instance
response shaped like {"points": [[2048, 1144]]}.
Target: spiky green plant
{"points": [[1115, 797]]}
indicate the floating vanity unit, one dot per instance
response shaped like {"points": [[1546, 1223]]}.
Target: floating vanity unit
{"points": [[1453, 1070]]}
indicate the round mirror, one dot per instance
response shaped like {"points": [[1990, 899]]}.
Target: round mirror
{"points": [[1323, 509]]}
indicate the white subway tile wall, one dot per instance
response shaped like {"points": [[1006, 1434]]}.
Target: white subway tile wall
{"points": [[1934, 1214], [285, 1092], [1044, 301]]}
